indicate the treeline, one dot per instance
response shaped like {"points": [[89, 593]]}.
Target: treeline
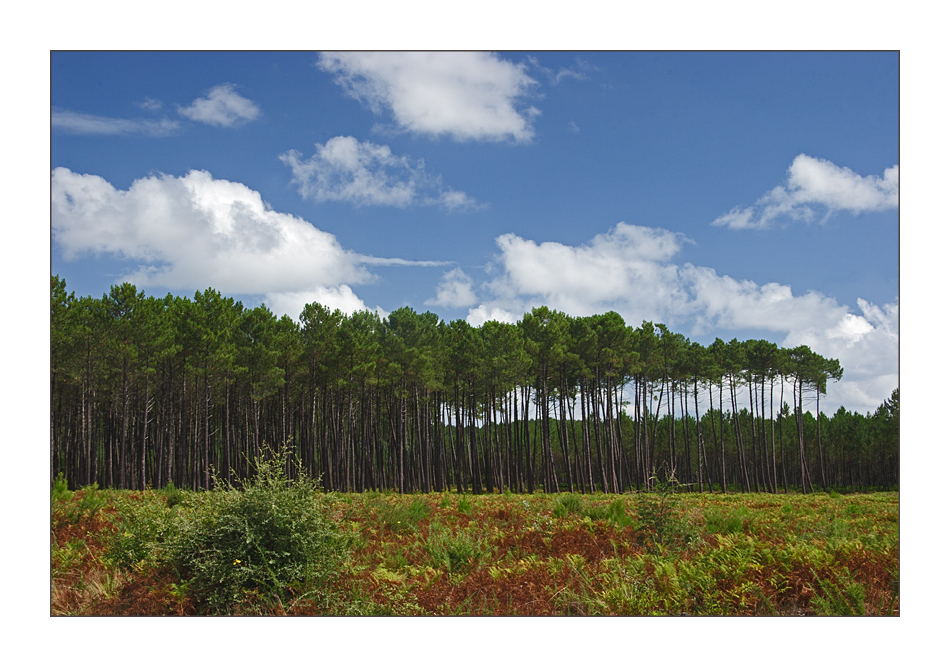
{"points": [[145, 391]]}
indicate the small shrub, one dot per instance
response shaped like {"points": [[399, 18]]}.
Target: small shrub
{"points": [[464, 505], [60, 488], [74, 508], [268, 544], [67, 556], [142, 531], [840, 598], [615, 513], [726, 521], [567, 505], [399, 518], [173, 496], [657, 513], [455, 552]]}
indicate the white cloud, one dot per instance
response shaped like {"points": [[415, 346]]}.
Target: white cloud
{"points": [[195, 231], [454, 291], [334, 297], [579, 71], [150, 104], [627, 262], [464, 95], [815, 182], [364, 173], [80, 123], [478, 316], [630, 270], [222, 107]]}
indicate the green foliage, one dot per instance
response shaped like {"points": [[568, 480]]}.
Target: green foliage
{"points": [[657, 513], [67, 556], [399, 517], [759, 554], [464, 505], [172, 495], [456, 552], [568, 504], [142, 530], [268, 543], [731, 520], [615, 513], [60, 488], [840, 597], [73, 508]]}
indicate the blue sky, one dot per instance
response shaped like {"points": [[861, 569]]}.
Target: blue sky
{"points": [[726, 194]]}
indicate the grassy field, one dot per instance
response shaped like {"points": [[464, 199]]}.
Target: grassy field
{"points": [[169, 552]]}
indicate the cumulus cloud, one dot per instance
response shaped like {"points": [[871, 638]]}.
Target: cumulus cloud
{"points": [[222, 107], [195, 231], [632, 270], [629, 264], [368, 174], [334, 297], [454, 291], [80, 123], [464, 95], [478, 316], [814, 182]]}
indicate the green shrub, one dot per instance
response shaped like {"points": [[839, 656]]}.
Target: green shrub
{"points": [[60, 488], [72, 508], [142, 530], [844, 597], [658, 521], [399, 517], [270, 544], [568, 504], [615, 513], [172, 495], [726, 521], [455, 552]]}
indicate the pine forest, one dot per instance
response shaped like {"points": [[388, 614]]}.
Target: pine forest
{"points": [[148, 391]]}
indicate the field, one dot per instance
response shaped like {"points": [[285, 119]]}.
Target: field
{"points": [[446, 554]]}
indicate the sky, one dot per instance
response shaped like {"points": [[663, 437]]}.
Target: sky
{"points": [[748, 194]]}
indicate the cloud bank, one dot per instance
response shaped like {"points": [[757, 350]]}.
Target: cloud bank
{"points": [[195, 231], [80, 123], [631, 270], [367, 174], [814, 182], [468, 96]]}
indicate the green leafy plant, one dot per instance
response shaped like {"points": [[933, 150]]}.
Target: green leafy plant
{"points": [[615, 513], [844, 597], [399, 517], [732, 520], [657, 513], [172, 495], [73, 508], [456, 552], [268, 545], [60, 488], [567, 505], [142, 530]]}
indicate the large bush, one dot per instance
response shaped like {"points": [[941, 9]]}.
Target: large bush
{"points": [[266, 546]]}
